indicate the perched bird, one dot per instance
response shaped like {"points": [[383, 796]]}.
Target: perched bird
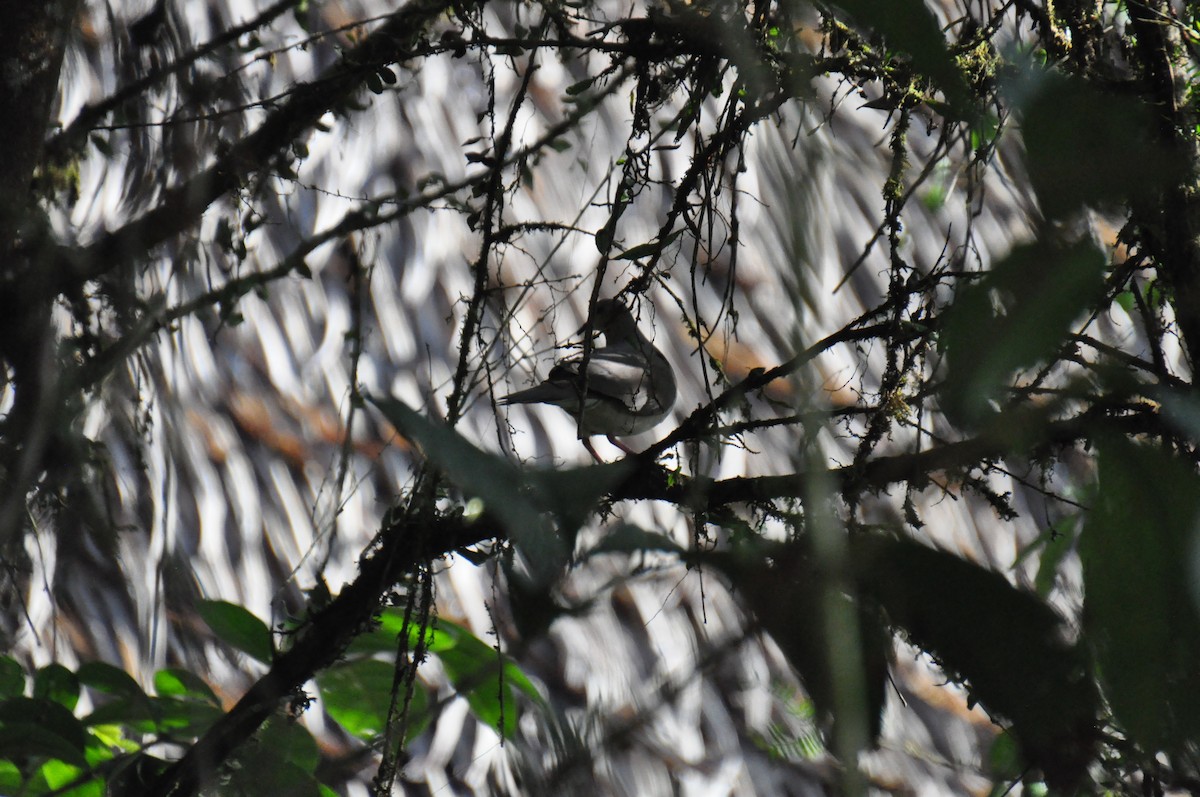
{"points": [[626, 388]]}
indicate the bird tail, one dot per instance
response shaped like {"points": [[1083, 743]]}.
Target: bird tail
{"points": [[538, 394]]}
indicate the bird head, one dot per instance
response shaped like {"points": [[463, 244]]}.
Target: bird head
{"points": [[611, 318]]}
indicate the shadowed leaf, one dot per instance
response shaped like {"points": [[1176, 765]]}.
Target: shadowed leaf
{"points": [[527, 503], [236, 626], [1140, 611], [1018, 315], [1007, 645]]}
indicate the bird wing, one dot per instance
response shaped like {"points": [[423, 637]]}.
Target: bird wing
{"points": [[615, 372], [629, 384]]}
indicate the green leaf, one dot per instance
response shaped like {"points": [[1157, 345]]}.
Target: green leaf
{"points": [[1004, 759], [183, 717], [606, 234], [1139, 552], [1126, 301], [108, 741], [10, 776], [55, 682], [110, 680], [288, 740], [357, 695], [1040, 289], [130, 706], [649, 248], [12, 678], [452, 636], [52, 730], [58, 775], [137, 714], [985, 130], [20, 741], [182, 683], [377, 641], [300, 14], [1059, 542], [486, 679], [260, 771], [236, 626], [478, 673], [580, 87]]}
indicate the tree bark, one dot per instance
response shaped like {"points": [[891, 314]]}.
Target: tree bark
{"points": [[1172, 226]]}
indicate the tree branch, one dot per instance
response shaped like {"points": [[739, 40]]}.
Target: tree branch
{"points": [[1010, 436], [1172, 225]]}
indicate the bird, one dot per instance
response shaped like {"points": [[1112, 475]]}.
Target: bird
{"points": [[625, 387]]}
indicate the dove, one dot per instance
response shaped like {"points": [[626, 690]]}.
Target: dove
{"points": [[626, 387]]}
